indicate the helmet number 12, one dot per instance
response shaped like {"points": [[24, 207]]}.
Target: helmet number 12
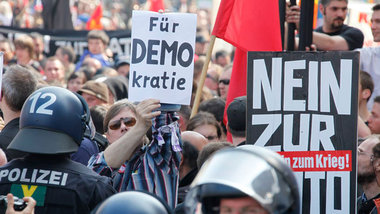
{"points": [[42, 109]]}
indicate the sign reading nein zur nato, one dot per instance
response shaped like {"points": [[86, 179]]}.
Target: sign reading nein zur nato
{"points": [[304, 106], [162, 57]]}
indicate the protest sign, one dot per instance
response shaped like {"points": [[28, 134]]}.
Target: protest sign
{"points": [[162, 57], [304, 106]]}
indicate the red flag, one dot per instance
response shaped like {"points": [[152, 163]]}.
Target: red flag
{"points": [[156, 5], [250, 25], [94, 21]]}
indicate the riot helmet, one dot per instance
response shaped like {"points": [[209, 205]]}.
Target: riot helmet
{"points": [[245, 171], [134, 202], [52, 121]]}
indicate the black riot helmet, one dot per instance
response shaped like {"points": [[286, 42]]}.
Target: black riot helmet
{"points": [[52, 121], [134, 202], [245, 171]]}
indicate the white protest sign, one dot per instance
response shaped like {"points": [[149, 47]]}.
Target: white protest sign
{"points": [[162, 56]]}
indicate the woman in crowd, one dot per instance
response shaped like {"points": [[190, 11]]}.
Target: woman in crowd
{"points": [[206, 124], [131, 160]]}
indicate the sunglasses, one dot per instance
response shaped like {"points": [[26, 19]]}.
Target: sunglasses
{"points": [[225, 82], [128, 122]]}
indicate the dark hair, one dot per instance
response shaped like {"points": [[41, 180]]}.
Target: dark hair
{"points": [[77, 74], [214, 106], [377, 99], [209, 149], [190, 155], [366, 82], [98, 114], [376, 7], [220, 54], [204, 118], [376, 148], [25, 42], [69, 51], [326, 2]]}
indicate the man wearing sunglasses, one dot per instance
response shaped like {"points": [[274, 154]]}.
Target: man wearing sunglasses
{"points": [[368, 170], [224, 81]]}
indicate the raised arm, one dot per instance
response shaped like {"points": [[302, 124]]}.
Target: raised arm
{"points": [[122, 149]]}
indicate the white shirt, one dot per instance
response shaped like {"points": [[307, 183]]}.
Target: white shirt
{"points": [[370, 63]]}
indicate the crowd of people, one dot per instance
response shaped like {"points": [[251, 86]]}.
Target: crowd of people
{"points": [[67, 152]]}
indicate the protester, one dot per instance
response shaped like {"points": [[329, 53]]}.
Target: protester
{"points": [[222, 58], [370, 56], [97, 44], [67, 56], [24, 51], [224, 81], [200, 45], [333, 34], [39, 46], [193, 142], [205, 124], [117, 88], [17, 84], [8, 49], [365, 91], [95, 93], [209, 149], [133, 162], [212, 77], [76, 80], [368, 174], [122, 66], [54, 72], [215, 106], [61, 185], [374, 118], [184, 116], [236, 120], [222, 187]]}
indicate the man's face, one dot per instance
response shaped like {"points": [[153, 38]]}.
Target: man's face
{"points": [[375, 27], [96, 46], [374, 119], [245, 205], [366, 173], [54, 71], [334, 14], [92, 100]]}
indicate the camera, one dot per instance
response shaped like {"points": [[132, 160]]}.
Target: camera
{"points": [[19, 204]]}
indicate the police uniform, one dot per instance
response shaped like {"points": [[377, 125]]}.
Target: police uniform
{"points": [[52, 125], [58, 184]]}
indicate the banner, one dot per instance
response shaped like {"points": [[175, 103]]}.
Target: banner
{"points": [[120, 41], [304, 106], [162, 58]]}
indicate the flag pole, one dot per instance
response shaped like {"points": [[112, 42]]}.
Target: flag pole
{"points": [[203, 78]]}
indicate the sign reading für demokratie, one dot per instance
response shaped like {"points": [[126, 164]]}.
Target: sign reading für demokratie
{"points": [[304, 106], [162, 57]]}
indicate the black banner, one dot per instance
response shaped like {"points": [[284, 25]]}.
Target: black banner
{"points": [[304, 106], [120, 41]]}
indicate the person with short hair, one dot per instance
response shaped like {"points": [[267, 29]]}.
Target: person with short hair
{"points": [[224, 81], [17, 84], [374, 118], [236, 120], [333, 34], [368, 172], [67, 56], [54, 72], [370, 56], [97, 45], [365, 91]]}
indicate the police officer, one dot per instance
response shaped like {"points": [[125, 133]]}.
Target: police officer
{"points": [[246, 179], [134, 202], [52, 124]]}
